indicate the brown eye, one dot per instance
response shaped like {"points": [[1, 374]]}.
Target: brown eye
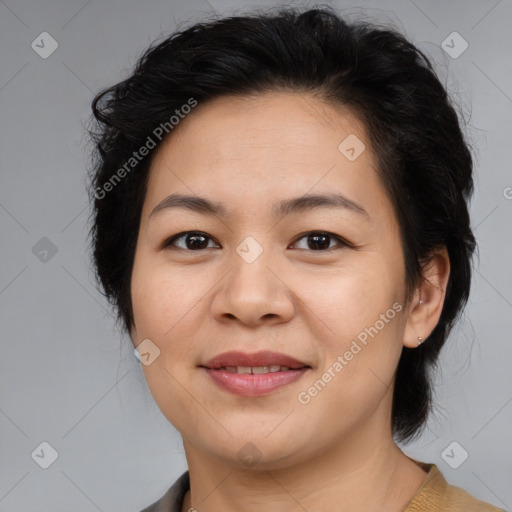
{"points": [[193, 240], [320, 241]]}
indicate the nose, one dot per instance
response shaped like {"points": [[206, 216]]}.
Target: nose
{"points": [[253, 293]]}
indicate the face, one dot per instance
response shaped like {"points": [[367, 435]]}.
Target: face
{"points": [[322, 283]]}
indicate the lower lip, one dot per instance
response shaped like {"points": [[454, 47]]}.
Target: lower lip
{"points": [[248, 384]]}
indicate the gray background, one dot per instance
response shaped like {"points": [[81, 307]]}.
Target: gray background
{"points": [[68, 378]]}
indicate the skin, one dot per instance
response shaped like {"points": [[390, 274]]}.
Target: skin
{"points": [[337, 451]]}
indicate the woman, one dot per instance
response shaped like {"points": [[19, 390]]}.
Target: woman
{"points": [[281, 220]]}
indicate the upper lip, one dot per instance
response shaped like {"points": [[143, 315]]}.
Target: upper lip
{"points": [[263, 358]]}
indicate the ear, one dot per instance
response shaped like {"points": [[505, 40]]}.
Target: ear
{"points": [[427, 303]]}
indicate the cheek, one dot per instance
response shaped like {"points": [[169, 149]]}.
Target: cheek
{"points": [[349, 300], [162, 300], [166, 307], [359, 317], [169, 310]]}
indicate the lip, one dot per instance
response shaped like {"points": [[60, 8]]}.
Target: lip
{"points": [[262, 358], [251, 385]]}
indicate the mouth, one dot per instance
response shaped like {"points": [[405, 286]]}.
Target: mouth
{"points": [[257, 370], [252, 375]]}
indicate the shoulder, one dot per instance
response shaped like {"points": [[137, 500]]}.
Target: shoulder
{"points": [[455, 498], [437, 495], [172, 500]]}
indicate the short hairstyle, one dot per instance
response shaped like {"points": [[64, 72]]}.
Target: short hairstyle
{"points": [[424, 161]]}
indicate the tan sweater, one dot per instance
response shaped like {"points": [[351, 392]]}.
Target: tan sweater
{"points": [[434, 495], [437, 495]]}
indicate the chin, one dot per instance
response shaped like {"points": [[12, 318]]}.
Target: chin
{"points": [[271, 450]]}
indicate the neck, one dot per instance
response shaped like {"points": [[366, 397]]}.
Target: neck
{"points": [[354, 476]]}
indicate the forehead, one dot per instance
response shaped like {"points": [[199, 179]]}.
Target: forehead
{"points": [[283, 123], [247, 150]]}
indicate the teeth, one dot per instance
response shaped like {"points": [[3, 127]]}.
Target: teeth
{"points": [[256, 370], [260, 369]]}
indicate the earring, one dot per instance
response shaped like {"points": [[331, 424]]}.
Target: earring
{"points": [[419, 341], [422, 301]]}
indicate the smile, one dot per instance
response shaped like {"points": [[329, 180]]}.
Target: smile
{"points": [[255, 369]]}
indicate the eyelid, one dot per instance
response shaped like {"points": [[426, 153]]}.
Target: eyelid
{"points": [[342, 242]]}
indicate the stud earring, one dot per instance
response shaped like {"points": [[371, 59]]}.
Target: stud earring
{"points": [[422, 301], [419, 341]]}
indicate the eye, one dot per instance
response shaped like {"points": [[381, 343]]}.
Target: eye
{"points": [[320, 241], [193, 240]]}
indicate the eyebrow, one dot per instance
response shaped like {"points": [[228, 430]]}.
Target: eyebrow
{"points": [[286, 207]]}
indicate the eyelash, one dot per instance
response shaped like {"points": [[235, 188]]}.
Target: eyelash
{"points": [[341, 242]]}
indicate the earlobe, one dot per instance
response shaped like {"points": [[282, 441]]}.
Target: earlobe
{"points": [[428, 300]]}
